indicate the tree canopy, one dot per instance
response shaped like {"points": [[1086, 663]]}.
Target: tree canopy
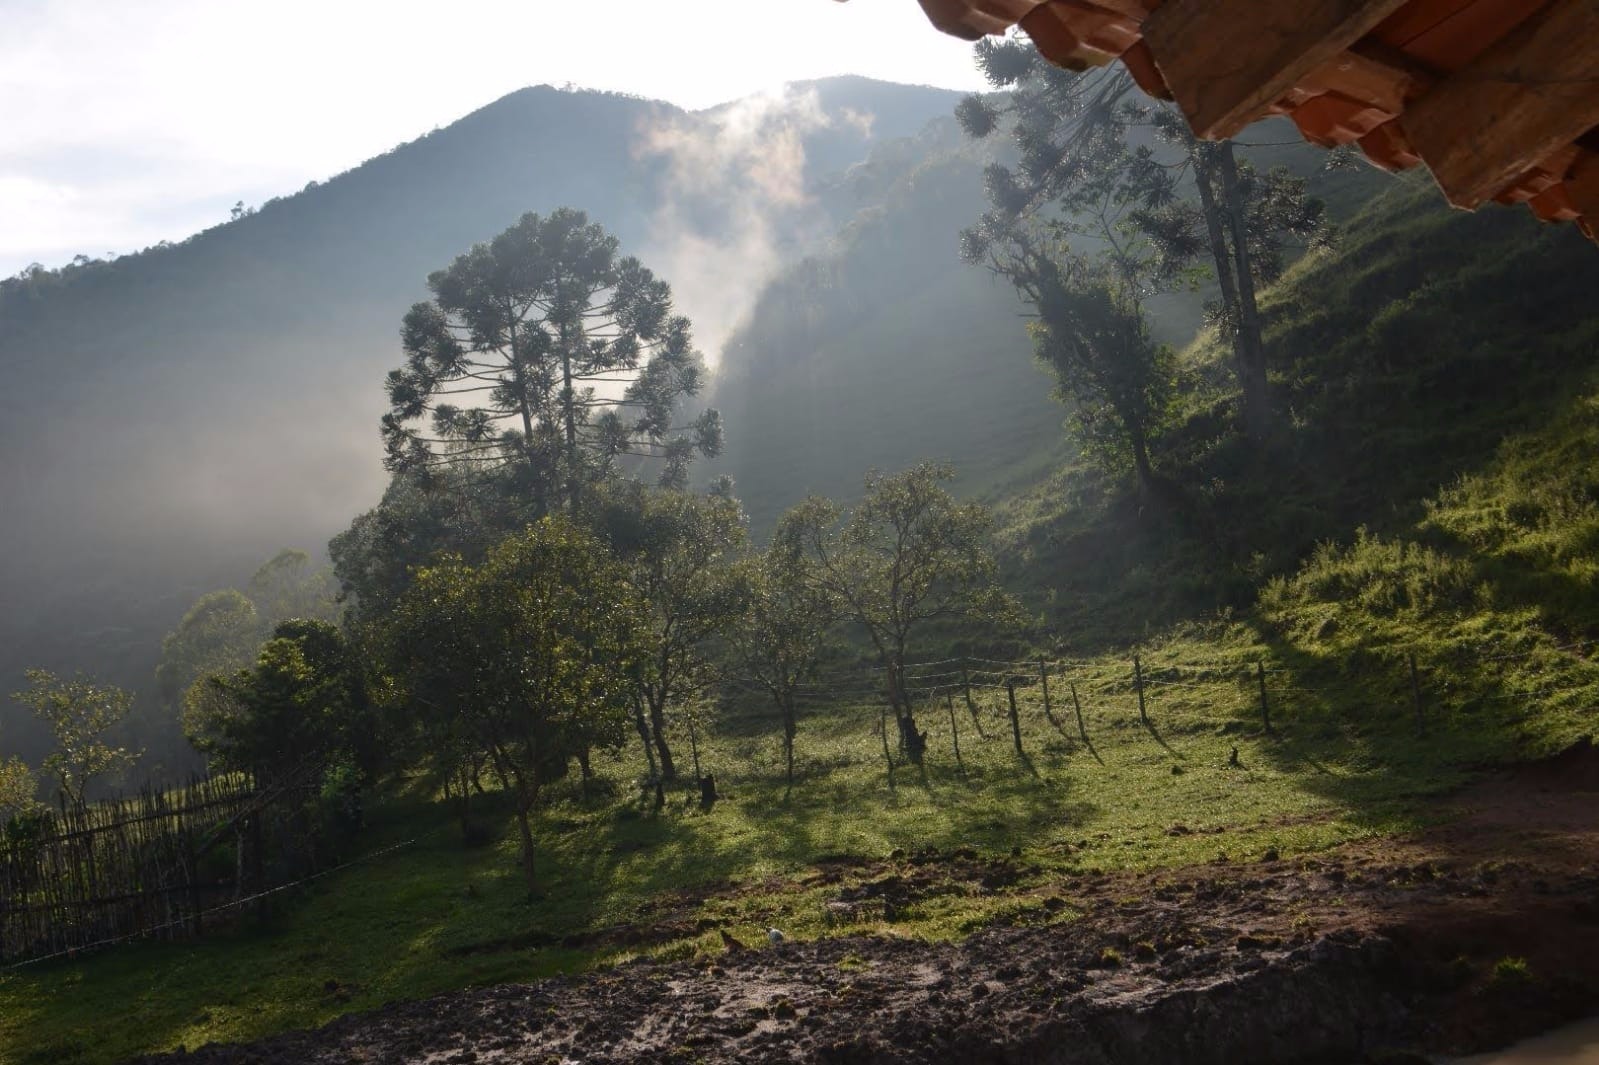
{"points": [[909, 553], [676, 548], [546, 350], [302, 704], [79, 713], [1117, 168], [530, 658]]}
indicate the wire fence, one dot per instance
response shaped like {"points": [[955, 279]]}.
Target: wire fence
{"points": [[169, 864], [1424, 679]]}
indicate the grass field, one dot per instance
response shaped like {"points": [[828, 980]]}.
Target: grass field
{"points": [[1345, 761]]}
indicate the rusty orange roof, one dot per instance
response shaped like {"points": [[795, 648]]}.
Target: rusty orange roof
{"points": [[1498, 98]]}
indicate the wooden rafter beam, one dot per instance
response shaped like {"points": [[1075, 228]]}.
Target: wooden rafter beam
{"points": [[1228, 61], [1534, 91]]}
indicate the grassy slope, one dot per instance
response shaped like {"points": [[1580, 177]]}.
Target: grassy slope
{"points": [[1468, 461], [1402, 361]]}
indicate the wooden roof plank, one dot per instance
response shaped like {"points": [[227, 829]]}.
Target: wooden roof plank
{"points": [[1463, 36], [1531, 93], [1228, 61]]}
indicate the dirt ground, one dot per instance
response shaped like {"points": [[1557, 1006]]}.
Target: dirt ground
{"points": [[1384, 951]]}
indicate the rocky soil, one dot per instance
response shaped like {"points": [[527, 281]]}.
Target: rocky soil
{"points": [[1460, 939]]}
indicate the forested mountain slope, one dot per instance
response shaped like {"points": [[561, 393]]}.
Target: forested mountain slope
{"points": [[182, 413], [883, 349]]}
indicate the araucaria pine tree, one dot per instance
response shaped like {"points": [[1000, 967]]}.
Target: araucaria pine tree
{"points": [[545, 355]]}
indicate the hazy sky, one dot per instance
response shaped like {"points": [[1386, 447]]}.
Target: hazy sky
{"points": [[125, 122]]}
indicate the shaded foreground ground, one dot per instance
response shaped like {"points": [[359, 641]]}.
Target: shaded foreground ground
{"points": [[1462, 938]]}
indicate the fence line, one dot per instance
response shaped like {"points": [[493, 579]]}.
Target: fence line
{"points": [[151, 864], [870, 679], [226, 906]]}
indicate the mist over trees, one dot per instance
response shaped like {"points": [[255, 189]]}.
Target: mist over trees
{"points": [[234, 371], [80, 715]]}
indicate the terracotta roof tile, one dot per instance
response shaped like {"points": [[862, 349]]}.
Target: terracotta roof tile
{"points": [[1526, 73]]}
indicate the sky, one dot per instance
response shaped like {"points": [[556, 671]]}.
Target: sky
{"points": [[127, 122]]}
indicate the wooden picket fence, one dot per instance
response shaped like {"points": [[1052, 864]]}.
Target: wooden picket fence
{"points": [[153, 865]]}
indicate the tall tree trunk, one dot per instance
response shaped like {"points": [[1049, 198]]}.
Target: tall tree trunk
{"points": [[524, 408], [789, 728], [569, 402], [465, 802], [1247, 368], [1259, 418], [658, 734], [694, 746], [644, 735], [888, 755], [526, 831], [525, 794], [1137, 439]]}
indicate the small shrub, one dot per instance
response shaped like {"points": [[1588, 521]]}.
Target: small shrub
{"points": [[1509, 970]]}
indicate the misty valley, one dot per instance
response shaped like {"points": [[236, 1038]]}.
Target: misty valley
{"points": [[864, 572]]}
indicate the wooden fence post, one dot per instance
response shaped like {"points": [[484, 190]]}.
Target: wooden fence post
{"points": [[1015, 721], [971, 707], [1082, 730], [1265, 706], [258, 863], [1415, 694], [1043, 678], [954, 729], [1138, 682], [192, 871]]}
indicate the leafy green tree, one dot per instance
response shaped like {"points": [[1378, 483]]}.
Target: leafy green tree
{"points": [[18, 790], [1080, 138], [79, 714], [906, 555], [218, 634], [571, 357], [301, 705], [1092, 333], [779, 638], [677, 548], [422, 515], [223, 631], [286, 586], [531, 656]]}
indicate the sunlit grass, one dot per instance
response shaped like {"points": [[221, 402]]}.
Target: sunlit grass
{"points": [[437, 915]]}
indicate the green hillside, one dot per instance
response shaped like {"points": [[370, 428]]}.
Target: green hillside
{"points": [[884, 349], [1410, 566], [1403, 361]]}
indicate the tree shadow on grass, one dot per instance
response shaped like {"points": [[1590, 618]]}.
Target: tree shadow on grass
{"points": [[1348, 715]]}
